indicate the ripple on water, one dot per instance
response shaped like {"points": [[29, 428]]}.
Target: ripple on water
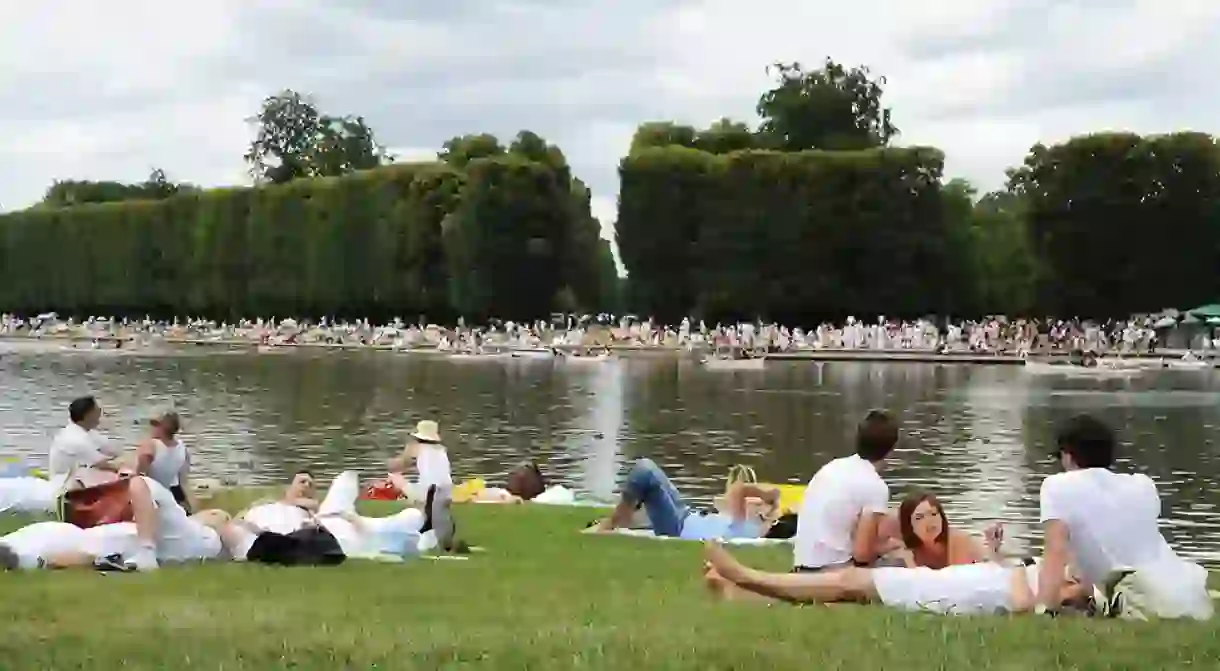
{"points": [[977, 437]]}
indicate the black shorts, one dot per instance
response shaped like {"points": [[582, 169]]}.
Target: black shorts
{"points": [[180, 497]]}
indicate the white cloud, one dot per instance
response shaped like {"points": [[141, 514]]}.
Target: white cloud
{"points": [[109, 90]]}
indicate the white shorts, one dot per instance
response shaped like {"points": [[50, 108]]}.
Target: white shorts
{"points": [[953, 590], [45, 539], [180, 538]]}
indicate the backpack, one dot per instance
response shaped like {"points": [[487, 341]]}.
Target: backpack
{"points": [[526, 481]]}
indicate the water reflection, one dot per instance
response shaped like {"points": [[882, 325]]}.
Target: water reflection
{"points": [[978, 437]]}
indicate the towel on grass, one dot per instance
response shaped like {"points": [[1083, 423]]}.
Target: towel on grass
{"points": [[647, 533]]}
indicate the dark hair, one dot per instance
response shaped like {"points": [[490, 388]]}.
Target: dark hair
{"points": [[876, 436], [906, 527], [1090, 442], [80, 408]]}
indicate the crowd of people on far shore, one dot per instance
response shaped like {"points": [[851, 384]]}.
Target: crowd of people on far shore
{"points": [[1104, 555], [993, 335]]}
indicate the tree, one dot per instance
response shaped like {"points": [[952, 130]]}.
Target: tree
{"points": [[460, 150], [725, 136], [831, 108], [68, 192], [295, 140]]}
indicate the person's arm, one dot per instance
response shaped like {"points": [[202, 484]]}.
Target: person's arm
{"points": [[146, 452], [739, 496], [105, 445], [184, 481], [1056, 548], [865, 548]]}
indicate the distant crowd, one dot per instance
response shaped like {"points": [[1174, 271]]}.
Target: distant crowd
{"points": [[993, 335]]}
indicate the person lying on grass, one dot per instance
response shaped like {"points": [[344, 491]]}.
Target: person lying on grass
{"points": [[162, 532], [750, 510], [980, 588], [929, 540], [357, 535]]}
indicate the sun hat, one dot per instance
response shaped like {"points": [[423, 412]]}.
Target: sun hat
{"points": [[427, 431]]}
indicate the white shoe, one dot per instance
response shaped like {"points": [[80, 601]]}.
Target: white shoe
{"points": [[144, 559]]}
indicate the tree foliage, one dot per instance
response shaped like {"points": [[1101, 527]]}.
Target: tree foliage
{"points": [[295, 140], [65, 193], [832, 108]]}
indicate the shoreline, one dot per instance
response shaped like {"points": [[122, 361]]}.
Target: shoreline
{"points": [[805, 355]]}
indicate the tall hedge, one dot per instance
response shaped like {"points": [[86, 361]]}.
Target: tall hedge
{"points": [[368, 244], [797, 237]]}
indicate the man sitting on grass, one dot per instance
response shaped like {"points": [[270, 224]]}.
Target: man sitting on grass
{"points": [[751, 510], [1109, 523], [842, 519]]}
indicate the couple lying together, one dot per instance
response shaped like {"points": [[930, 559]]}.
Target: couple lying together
{"points": [[294, 529], [269, 531], [847, 548]]}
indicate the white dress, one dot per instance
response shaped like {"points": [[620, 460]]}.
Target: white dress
{"points": [[955, 590]]}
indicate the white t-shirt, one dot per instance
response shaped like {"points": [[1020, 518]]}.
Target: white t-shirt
{"points": [[75, 449], [839, 493], [432, 462], [1111, 518], [282, 518]]}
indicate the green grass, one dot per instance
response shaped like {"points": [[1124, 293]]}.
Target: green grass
{"points": [[541, 596]]}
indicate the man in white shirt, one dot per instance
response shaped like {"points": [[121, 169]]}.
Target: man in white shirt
{"points": [[842, 512], [81, 453], [1107, 523]]}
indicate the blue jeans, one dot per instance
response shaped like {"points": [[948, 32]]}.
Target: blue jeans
{"points": [[648, 484]]}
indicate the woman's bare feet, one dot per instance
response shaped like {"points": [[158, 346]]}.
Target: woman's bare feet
{"points": [[716, 585], [723, 563]]}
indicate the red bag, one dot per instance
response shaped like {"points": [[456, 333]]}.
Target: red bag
{"points": [[382, 491], [107, 503]]}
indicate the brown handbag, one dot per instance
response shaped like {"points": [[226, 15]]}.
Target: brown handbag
{"points": [[106, 503]]}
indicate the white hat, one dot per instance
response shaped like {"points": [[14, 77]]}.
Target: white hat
{"points": [[427, 431]]}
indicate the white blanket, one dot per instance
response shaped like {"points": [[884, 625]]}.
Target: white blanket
{"points": [[647, 533], [27, 495]]}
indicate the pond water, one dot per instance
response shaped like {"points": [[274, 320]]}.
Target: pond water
{"points": [[977, 436]]}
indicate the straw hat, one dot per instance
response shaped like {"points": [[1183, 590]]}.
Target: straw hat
{"points": [[427, 431]]}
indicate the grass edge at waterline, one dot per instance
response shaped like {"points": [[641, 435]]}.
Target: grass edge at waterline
{"points": [[541, 596]]}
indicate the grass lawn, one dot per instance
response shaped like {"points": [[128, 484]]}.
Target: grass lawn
{"points": [[541, 597]]}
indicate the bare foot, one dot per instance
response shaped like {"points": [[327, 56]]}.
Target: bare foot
{"points": [[723, 563], [716, 585]]}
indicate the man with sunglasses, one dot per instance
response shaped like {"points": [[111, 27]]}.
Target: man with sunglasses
{"points": [[1107, 523]]}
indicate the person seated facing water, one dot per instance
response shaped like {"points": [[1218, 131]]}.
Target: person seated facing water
{"points": [[648, 485], [164, 457], [843, 518], [1109, 523]]}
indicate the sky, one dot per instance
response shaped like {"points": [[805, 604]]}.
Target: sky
{"points": [[109, 90]]}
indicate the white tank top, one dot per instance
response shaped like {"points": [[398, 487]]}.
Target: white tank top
{"points": [[432, 462], [167, 463]]}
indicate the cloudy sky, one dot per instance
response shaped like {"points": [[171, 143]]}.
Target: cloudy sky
{"points": [[108, 90]]}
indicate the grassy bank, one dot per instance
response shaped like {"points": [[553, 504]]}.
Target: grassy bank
{"points": [[541, 596]]}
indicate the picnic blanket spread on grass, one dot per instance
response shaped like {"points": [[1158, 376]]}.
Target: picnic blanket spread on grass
{"points": [[647, 533]]}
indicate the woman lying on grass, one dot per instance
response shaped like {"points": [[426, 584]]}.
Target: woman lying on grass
{"points": [[941, 569], [751, 510]]}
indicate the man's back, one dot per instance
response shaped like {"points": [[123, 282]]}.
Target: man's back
{"points": [[1111, 519], [839, 493], [75, 450]]}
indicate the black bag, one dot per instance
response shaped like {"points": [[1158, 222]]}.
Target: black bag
{"points": [[311, 546], [784, 527]]}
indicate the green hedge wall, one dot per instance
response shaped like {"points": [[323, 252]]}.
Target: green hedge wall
{"points": [[366, 244], [789, 236]]}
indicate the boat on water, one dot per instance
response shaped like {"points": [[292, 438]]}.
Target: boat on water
{"points": [[734, 358], [1188, 362], [1078, 370], [545, 354]]}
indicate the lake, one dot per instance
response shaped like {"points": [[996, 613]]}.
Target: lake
{"points": [[977, 436]]}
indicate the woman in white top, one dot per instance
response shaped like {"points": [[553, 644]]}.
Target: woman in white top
{"points": [[164, 458]]}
